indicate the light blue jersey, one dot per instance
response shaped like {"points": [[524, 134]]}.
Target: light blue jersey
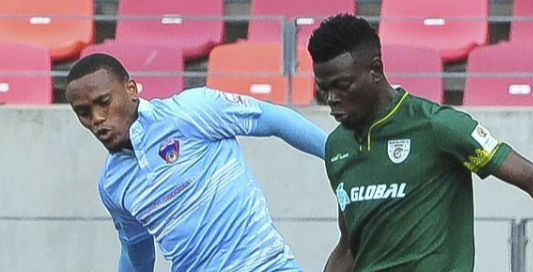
{"points": [[187, 184]]}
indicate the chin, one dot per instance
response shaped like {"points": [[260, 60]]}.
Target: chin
{"points": [[349, 123], [113, 147]]}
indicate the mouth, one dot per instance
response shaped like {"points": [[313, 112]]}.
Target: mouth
{"points": [[104, 134], [339, 115]]}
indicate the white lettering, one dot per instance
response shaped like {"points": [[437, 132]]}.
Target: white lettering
{"points": [[361, 191], [380, 191], [392, 191], [354, 193], [370, 190], [401, 191]]}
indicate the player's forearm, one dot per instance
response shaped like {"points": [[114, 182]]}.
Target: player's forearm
{"points": [[139, 257], [292, 127], [340, 260]]}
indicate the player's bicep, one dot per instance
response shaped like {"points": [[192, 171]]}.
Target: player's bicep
{"points": [[518, 171]]}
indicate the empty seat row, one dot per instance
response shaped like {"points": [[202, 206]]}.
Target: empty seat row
{"points": [[453, 27], [496, 75]]}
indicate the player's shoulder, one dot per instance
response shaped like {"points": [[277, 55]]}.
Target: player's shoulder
{"points": [[194, 95], [425, 110]]}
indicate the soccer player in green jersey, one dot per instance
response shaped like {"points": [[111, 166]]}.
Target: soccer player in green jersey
{"points": [[400, 165]]}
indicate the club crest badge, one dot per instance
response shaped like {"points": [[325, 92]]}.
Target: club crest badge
{"points": [[169, 150], [399, 150]]}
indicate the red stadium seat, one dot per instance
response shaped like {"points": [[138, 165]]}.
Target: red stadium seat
{"points": [[453, 27], [255, 69], [308, 15], [500, 75], [35, 23], [180, 25], [406, 65], [521, 30], [152, 67], [25, 74]]}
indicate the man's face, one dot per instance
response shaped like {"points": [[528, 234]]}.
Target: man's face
{"points": [[347, 84], [105, 106]]}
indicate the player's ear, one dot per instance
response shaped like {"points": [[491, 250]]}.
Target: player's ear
{"points": [[376, 69], [131, 90]]}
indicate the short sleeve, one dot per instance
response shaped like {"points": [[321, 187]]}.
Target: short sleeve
{"points": [[465, 139], [217, 115], [130, 231]]}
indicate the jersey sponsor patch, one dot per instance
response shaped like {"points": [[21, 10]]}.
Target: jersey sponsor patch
{"points": [[169, 150], [484, 138], [370, 192], [398, 150], [234, 98]]}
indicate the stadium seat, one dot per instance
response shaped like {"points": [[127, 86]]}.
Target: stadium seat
{"points": [[179, 25], [152, 67], [500, 75], [405, 66], [35, 22], [522, 30], [452, 27], [256, 69], [25, 74], [308, 15]]}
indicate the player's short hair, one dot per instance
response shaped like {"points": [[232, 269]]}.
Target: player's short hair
{"points": [[342, 33], [95, 62]]}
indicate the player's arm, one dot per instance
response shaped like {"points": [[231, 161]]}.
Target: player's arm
{"points": [[517, 171], [472, 144], [137, 257], [218, 115], [290, 126], [340, 259]]}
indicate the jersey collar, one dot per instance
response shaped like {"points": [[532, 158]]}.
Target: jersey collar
{"points": [[382, 116]]}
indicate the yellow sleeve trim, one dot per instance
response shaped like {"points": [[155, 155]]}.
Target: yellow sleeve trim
{"points": [[481, 158]]}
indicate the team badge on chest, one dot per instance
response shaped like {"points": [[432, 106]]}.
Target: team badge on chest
{"points": [[169, 150], [398, 150]]}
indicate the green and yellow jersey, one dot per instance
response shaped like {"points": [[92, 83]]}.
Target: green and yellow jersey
{"points": [[405, 186]]}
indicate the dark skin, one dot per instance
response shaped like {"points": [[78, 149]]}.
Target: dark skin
{"points": [[105, 106], [356, 89]]}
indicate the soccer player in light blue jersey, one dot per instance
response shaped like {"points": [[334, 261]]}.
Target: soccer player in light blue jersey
{"points": [[176, 173]]}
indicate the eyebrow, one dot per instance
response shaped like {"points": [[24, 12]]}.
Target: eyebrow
{"points": [[99, 97], [335, 79]]}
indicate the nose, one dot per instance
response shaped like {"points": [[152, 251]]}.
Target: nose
{"points": [[98, 118], [332, 98]]}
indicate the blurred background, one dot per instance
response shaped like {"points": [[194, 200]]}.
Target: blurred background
{"points": [[476, 55]]}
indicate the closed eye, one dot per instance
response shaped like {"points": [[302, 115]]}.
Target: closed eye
{"points": [[103, 101]]}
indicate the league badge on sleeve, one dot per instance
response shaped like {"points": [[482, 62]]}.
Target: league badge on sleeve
{"points": [[169, 150], [484, 138], [234, 98], [399, 150]]}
